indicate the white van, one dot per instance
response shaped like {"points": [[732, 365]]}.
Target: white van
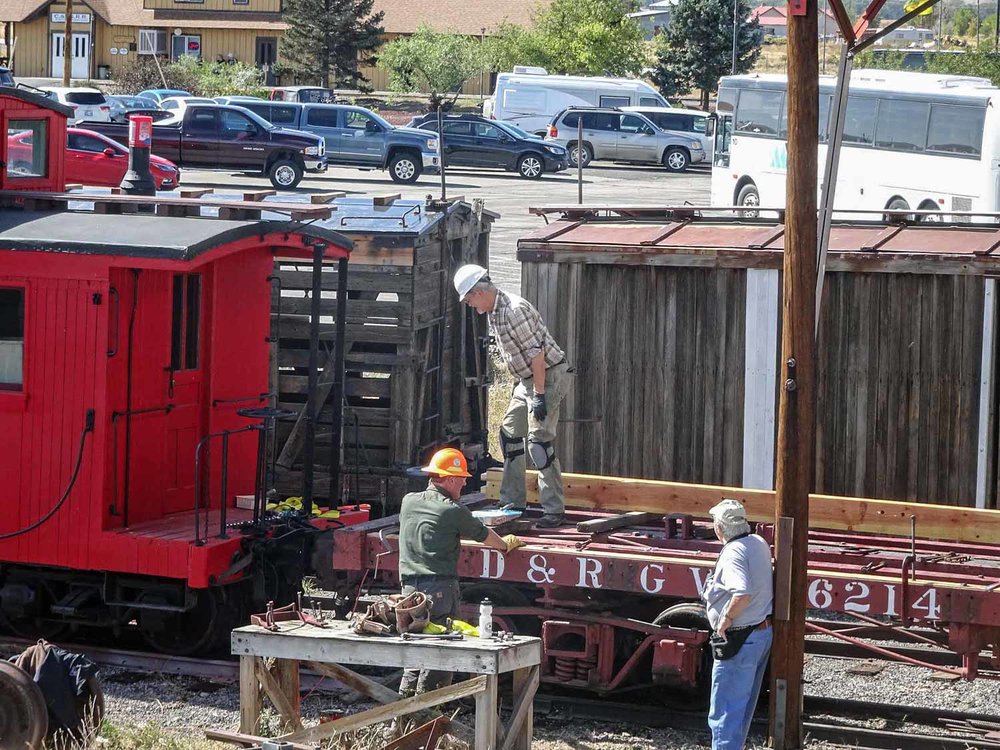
{"points": [[529, 97]]}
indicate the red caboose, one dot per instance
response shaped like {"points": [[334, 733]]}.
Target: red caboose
{"points": [[129, 343]]}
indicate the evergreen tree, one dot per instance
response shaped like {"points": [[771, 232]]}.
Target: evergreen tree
{"points": [[331, 39], [696, 49]]}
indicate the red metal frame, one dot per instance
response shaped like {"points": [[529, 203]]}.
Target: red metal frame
{"points": [[610, 580]]}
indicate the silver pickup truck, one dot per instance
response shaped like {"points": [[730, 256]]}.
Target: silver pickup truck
{"points": [[356, 136]]}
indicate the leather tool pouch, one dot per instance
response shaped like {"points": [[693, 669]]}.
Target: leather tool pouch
{"points": [[728, 647]]}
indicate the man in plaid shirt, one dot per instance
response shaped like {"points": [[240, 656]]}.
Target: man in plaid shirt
{"points": [[544, 377]]}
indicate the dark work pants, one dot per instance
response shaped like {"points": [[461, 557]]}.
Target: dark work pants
{"points": [[446, 600]]}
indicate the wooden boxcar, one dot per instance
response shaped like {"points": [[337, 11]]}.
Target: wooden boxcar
{"points": [[673, 322], [414, 356]]}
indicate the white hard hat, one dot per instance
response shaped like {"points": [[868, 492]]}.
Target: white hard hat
{"points": [[467, 277], [729, 511]]}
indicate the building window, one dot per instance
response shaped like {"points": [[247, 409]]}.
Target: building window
{"points": [[152, 42], [27, 152], [185, 44], [185, 322], [11, 339]]}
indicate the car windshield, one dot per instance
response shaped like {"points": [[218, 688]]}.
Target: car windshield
{"points": [[514, 130]]}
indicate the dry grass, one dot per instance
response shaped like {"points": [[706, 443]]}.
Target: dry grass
{"points": [[774, 57]]}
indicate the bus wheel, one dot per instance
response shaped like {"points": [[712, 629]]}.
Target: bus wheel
{"points": [[935, 218], [898, 205], [748, 196]]}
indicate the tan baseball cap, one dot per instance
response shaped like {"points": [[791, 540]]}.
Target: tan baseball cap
{"points": [[729, 511]]}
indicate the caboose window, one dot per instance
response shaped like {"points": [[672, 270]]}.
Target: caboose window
{"points": [[11, 339], [27, 148], [185, 322]]}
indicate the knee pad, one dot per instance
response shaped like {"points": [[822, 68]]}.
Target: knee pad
{"points": [[542, 454], [510, 447]]}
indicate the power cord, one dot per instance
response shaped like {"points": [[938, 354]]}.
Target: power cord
{"points": [[88, 427]]}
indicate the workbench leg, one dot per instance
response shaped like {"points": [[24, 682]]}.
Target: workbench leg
{"points": [[525, 685], [486, 715], [251, 700], [286, 672]]}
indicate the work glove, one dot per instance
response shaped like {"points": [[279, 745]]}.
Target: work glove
{"points": [[513, 542], [538, 408]]}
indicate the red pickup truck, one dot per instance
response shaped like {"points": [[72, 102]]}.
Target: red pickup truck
{"points": [[230, 138]]}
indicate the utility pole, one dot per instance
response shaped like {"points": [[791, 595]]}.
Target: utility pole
{"points": [[736, 5], [68, 44], [796, 410]]}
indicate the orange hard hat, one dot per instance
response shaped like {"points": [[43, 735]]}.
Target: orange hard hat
{"points": [[448, 462]]}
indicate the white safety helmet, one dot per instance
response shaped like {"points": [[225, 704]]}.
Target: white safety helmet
{"points": [[467, 277]]}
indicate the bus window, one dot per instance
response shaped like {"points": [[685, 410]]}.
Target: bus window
{"points": [[727, 101], [859, 123], [956, 129], [759, 112], [902, 125]]}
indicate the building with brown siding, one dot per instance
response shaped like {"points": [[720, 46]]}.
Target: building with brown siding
{"points": [[109, 33]]}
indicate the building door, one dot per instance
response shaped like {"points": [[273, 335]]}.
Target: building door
{"points": [[266, 56], [80, 66]]}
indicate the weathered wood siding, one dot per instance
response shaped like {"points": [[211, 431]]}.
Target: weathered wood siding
{"points": [[660, 367], [898, 386]]}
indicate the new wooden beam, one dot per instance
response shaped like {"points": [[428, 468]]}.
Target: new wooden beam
{"points": [[825, 511]]}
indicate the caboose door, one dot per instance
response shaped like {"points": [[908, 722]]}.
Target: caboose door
{"points": [[184, 422]]}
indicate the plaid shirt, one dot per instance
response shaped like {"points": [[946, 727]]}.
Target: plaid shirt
{"points": [[518, 327]]}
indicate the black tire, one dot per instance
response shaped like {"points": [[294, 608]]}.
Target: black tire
{"points": [[404, 167], [586, 154], [898, 207], [285, 174], [676, 159], [935, 218], [530, 166], [748, 196]]}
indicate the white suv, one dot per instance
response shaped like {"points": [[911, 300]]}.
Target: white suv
{"points": [[87, 104]]}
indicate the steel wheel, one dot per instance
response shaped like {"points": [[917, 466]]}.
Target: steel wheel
{"points": [[24, 718], [284, 175], [749, 196], [675, 160], [182, 633], [404, 168], [530, 166], [691, 616]]}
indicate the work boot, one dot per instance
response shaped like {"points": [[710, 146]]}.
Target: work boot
{"points": [[550, 521], [511, 506]]}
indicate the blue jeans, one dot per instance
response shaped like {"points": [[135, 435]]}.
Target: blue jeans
{"points": [[735, 687]]}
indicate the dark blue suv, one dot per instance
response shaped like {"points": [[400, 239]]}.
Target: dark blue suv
{"points": [[474, 141]]}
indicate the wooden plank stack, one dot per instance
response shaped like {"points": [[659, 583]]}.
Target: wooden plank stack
{"points": [[403, 320]]}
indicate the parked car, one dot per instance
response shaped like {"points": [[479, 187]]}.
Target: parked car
{"points": [[160, 94], [305, 94], [86, 103], [474, 141], [610, 133], [121, 105], [6, 78], [180, 103], [529, 97], [357, 137], [691, 123], [236, 99], [94, 159], [218, 136]]}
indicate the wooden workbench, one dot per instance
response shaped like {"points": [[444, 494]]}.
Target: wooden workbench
{"points": [[327, 648]]}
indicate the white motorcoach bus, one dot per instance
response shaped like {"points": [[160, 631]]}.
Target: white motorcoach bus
{"points": [[911, 141]]}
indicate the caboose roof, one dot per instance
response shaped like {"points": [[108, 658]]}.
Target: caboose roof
{"points": [[139, 235], [37, 99]]}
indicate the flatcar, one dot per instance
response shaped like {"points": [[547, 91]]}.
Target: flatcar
{"points": [[134, 371]]}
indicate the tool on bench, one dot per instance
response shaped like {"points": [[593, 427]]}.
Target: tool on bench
{"points": [[289, 613], [432, 637]]}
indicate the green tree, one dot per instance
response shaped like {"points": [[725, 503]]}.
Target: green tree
{"points": [[591, 37], [330, 39], [511, 45], [963, 21], [438, 62], [696, 49]]}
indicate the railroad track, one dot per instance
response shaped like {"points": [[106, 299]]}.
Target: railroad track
{"points": [[967, 729]]}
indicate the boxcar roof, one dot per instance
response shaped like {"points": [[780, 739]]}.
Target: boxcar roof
{"points": [[137, 235]]}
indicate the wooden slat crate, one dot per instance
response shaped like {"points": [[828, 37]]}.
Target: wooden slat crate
{"points": [[400, 294]]}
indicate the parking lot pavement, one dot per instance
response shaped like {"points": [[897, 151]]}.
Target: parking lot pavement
{"points": [[502, 192]]}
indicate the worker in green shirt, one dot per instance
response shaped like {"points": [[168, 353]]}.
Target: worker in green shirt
{"points": [[432, 526]]}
